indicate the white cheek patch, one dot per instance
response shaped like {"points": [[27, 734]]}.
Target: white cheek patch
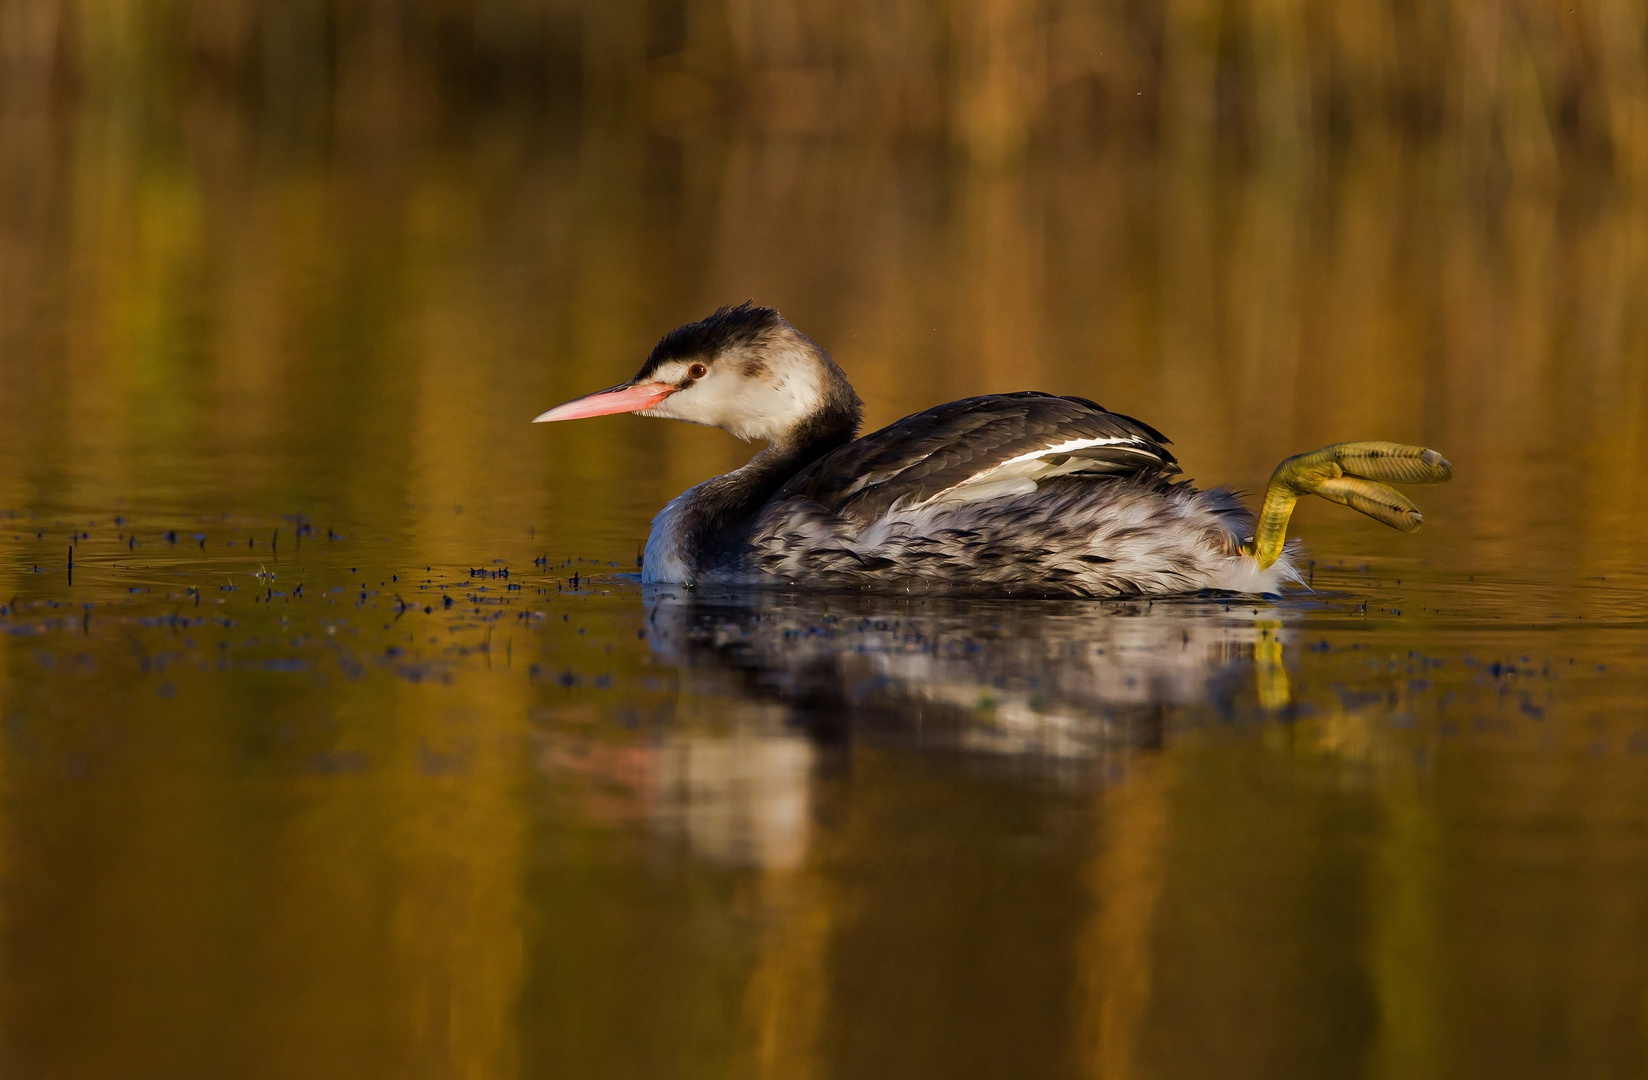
{"points": [[766, 406], [771, 407]]}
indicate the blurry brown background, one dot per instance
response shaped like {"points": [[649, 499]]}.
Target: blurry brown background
{"points": [[1261, 226]]}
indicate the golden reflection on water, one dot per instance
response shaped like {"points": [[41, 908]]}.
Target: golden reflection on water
{"points": [[1395, 828]]}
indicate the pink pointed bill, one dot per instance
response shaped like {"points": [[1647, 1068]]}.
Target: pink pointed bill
{"points": [[620, 399]]}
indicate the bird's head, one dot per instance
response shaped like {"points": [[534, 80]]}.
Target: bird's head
{"points": [[743, 369]]}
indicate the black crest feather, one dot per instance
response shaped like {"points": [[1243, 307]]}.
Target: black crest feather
{"points": [[730, 327]]}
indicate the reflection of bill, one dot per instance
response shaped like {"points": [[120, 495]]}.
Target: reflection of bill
{"points": [[1054, 680]]}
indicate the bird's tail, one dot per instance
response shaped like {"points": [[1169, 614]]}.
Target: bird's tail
{"points": [[1348, 473]]}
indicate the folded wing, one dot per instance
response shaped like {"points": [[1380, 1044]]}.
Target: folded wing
{"points": [[980, 448]]}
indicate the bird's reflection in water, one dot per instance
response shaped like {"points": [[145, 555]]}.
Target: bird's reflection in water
{"points": [[1062, 685], [774, 687]]}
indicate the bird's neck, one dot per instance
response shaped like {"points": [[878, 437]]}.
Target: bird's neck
{"points": [[708, 524], [724, 505]]}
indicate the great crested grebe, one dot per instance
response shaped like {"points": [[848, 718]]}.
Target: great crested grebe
{"points": [[1026, 493]]}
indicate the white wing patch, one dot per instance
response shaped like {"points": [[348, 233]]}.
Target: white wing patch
{"points": [[1020, 475]]}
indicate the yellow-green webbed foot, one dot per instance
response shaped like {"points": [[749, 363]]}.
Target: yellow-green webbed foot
{"points": [[1350, 474]]}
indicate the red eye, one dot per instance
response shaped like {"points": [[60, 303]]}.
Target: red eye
{"points": [[697, 371]]}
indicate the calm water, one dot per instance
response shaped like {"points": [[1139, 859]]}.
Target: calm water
{"points": [[351, 746]]}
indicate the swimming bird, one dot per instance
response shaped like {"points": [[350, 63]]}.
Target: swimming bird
{"points": [[1009, 494]]}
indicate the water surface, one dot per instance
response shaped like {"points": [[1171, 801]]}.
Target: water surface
{"points": [[350, 745]]}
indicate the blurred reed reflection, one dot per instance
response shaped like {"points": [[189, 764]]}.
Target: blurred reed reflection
{"points": [[387, 227]]}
